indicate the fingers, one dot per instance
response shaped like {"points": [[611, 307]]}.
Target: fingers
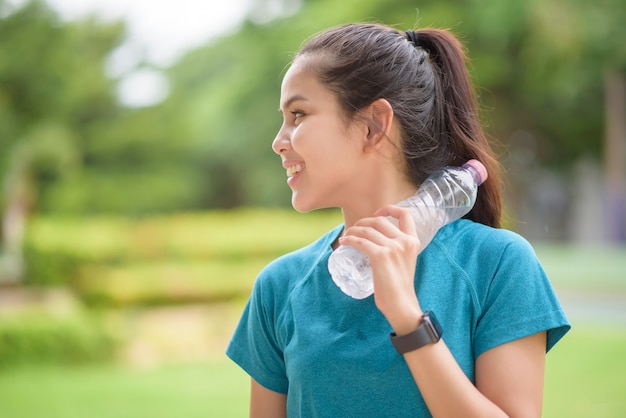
{"points": [[370, 233], [392, 226], [403, 215]]}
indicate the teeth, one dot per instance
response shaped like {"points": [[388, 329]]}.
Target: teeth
{"points": [[294, 169]]}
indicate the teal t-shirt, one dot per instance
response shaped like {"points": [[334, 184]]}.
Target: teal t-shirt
{"points": [[302, 336]]}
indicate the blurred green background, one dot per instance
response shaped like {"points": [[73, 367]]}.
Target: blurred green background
{"points": [[131, 232]]}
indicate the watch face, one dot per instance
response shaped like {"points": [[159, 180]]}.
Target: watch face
{"points": [[432, 325]]}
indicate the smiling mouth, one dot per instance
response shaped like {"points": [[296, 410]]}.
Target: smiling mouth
{"points": [[294, 169]]}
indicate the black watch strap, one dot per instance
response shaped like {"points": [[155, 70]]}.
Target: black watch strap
{"points": [[428, 332]]}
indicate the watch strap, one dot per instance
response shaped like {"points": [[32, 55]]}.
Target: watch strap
{"points": [[428, 332]]}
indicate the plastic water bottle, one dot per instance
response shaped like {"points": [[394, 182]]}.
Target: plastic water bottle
{"points": [[445, 196]]}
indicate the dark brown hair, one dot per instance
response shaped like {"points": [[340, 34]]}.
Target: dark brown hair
{"points": [[429, 89]]}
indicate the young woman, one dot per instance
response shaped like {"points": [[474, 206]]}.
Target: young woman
{"points": [[369, 112]]}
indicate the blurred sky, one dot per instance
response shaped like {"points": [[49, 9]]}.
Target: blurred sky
{"points": [[165, 28], [159, 32]]}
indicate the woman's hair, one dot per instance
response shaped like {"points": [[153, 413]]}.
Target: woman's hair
{"points": [[422, 74]]}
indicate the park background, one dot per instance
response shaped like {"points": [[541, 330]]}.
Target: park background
{"points": [[133, 225]]}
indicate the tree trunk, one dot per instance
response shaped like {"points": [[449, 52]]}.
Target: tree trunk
{"points": [[615, 155], [18, 204]]}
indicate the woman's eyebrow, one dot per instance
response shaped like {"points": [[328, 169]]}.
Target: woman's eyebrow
{"points": [[289, 101]]}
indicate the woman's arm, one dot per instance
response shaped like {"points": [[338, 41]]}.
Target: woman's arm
{"points": [[265, 403], [512, 375], [509, 378]]}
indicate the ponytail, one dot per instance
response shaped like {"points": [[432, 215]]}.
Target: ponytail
{"points": [[456, 110]]}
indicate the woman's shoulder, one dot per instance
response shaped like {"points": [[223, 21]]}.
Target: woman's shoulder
{"points": [[491, 261], [469, 243], [474, 234]]}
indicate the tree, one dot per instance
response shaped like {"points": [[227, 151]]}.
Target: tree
{"points": [[539, 67], [52, 86]]}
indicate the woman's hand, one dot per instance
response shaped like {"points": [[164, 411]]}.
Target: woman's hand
{"points": [[392, 248]]}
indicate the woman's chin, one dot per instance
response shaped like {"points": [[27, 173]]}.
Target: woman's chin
{"points": [[302, 206], [301, 209]]}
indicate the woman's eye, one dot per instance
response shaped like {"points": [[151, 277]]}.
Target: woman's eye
{"points": [[297, 114]]}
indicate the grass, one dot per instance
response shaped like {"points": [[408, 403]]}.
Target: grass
{"points": [[586, 375], [585, 268], [213, 389]]}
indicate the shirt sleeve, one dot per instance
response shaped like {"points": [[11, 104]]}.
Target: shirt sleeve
{"points": [[519, 301], [255, 344]]}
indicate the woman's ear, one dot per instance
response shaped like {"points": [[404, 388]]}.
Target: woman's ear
{"points": [[379, 119]]}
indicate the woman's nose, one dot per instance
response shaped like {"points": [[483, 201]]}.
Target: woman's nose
{"points": [[281, 143]]}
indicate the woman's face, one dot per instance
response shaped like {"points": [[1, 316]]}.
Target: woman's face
{"points": [[320, 151]]}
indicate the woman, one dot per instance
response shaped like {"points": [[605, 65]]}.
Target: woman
{"points": [[369, 112]]}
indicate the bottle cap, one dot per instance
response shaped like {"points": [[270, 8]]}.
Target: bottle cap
{"points": [[479, 168]]}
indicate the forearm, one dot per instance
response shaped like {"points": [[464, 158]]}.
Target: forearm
{"points": [[445, 388]]}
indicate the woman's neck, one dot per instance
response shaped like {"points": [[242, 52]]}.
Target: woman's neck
{"points": [[372, 202]]}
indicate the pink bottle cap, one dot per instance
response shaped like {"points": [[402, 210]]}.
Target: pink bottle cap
{"points": [[480, 169]]}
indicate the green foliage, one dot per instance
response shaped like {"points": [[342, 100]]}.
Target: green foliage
{"points": [[167, 282], [538, 65], [51, 71], [238, 233], [182, 258], [53, 85], [40, 338], [51, 267]]}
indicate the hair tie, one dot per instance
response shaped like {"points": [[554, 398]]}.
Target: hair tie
{"points": [[412, 37]]}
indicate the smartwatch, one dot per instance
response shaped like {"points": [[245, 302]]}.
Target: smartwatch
{"points": [[428, 332]]}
